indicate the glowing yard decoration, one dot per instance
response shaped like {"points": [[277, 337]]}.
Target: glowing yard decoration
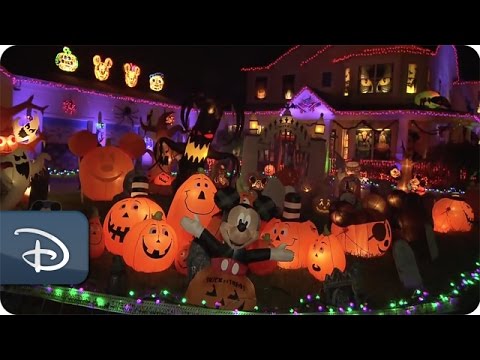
{"points": [[156, 81], [66, 61], [102, 68], [132, 72]]}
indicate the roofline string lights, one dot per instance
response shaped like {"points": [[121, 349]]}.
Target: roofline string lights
{"points": [[164, 302]]}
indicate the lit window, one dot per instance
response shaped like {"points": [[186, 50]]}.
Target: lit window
{"points": [[326, 79], [288, 86], [376, 78], [345, 143], [346, 92], [412, 79], [261, 88]]}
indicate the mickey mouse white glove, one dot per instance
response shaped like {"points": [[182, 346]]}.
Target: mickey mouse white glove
{"points": [[192, 226]]}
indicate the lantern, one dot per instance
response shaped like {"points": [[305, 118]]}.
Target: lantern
{"points": [[269, 170], [324, 255], [452, 215], [122, 217], [181, 260], [194, 197], [151, 245], [218, 289], [103, 169], [101, 68], [365, 240], [96, 240]]}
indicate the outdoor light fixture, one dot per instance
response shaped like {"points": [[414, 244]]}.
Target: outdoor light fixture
{"points": [[253, 125], [320, 126]]}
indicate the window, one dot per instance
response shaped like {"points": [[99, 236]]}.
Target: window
{"points": [[261, 88], [376, 78], [363, 143], [345, 143], [288, 86], [412, 79], [326, 79], [346, 91]]}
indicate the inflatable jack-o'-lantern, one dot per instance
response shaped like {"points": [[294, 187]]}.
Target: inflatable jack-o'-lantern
{"points": [[324, 255], [103, 169], [150, 246], [371, 239], [194, 197], [452, 215], [8, 144], [122, 217], [222, 286], [16, 170], [27, 128], [181, 259], [96, 240]]}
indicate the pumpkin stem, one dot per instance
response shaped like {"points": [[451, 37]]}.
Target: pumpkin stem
{"points": [[158, 216], [201, 170], [266, 238]]}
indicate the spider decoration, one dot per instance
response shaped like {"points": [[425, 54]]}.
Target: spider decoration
{"points": [[194, 153], [126, 113]]}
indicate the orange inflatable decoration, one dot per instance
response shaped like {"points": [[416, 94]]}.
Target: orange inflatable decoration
{"points": [[452, 215], [122, 217], [151, 245], [97, 242], [103, 169], [324, 255], [371, 239], [181, 260], [223, 286], [194, 197]]}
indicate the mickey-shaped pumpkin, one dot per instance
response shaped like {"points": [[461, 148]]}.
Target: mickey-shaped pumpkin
{"points": [[151, 245], [126, 213], [96, 239], [324, 255], [103, 169], [238, 230]]}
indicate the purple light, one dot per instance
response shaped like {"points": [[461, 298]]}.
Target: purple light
{"points": [[309, 297], [341, 309], [81, 290], [425, 293], [352, 304], [408, 312], [49, 289], [127, 307], [139, 301], [157, 301], [217, 304], [420, 298], [320, 308]]}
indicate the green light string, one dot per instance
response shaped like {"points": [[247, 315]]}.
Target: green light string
{"points": [[422, 302]]}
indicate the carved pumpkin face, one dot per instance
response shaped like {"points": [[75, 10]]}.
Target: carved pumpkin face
{"points": [[122, 217], [324, 255], [8, 144], [15, 171], [97, 242], [365, 240], [102, 172], [151, 246], [194, 197], [181, 259], [321, 205], [296, 235], [452, 215], [27, 128], [221, 290], [269, 170]]}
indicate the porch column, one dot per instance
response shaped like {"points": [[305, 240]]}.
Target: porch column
{"points": [[328, 130], [250, 154], [402, 137]]}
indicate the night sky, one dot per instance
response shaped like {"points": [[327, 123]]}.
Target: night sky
{"points": [[214, 70]]}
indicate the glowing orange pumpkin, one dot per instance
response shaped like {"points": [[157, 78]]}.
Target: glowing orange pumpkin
{"points": [[321, 204], [103, 169], [122, 217], [452, 215], [371, 239], [194, 197], [296, 235], [181, 260], [97, 242], [8, 144], [324, 255], [269, 170], [221, 290], [151, 245]]}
